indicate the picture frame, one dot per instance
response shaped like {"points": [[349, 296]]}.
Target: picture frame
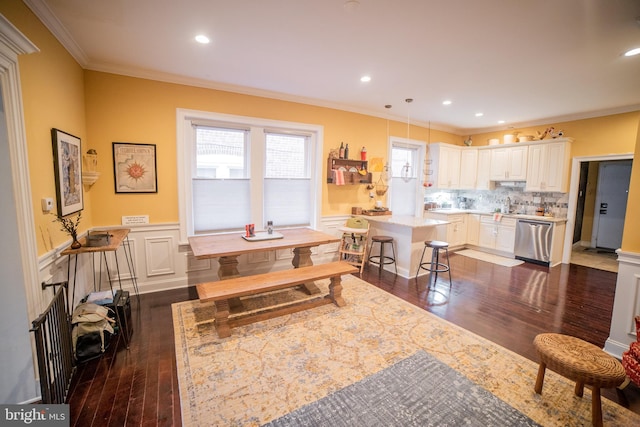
{"points": [[135, 168], [67, 164]]}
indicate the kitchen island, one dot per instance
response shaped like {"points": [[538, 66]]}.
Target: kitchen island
{"points": [[409, 233]]}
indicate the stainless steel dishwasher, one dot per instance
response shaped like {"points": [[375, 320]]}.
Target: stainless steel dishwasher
{"points": [[533, 241]]}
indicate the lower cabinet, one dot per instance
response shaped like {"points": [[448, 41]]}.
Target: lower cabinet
{"points": [[498, 235], [455, 232], [473, 229]]}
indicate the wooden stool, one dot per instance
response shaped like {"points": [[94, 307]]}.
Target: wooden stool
{"points": [[581, 362], [381, 259]]}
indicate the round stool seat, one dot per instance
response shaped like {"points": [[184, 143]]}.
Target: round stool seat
{"points": [[580, 361], [436, 244], [382, 239]]}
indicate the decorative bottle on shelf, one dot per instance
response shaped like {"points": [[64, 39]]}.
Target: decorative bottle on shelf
{"points": [[363, 154], [341, 155], [346, 152]]}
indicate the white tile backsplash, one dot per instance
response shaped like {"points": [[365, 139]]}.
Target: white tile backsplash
{"points": [[490, 200]]}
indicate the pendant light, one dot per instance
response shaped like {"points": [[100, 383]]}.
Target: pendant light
{"points": [[427, 161], [405, 173]]}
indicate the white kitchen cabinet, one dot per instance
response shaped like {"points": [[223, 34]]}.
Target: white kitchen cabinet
{"points": [[497, 235], [548, 166], [483, 172], [473, 229], [445, 165], [468, 168], [509, 163]]}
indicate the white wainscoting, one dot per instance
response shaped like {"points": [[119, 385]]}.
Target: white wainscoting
{"points": [[626, 304], [159, 261]]}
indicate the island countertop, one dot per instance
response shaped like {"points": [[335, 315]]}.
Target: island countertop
{"points": [[406, 220]]}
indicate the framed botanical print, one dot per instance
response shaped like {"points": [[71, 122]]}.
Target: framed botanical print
{"points": [[67, 163], [134, 168]]}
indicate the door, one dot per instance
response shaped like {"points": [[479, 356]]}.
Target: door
{"points": [[611, 203], [406, 169]]}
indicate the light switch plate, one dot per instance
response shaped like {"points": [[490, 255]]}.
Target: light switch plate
{"points": [[47, 204]]}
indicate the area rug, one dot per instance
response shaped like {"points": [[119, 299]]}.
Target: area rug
{"points": [[418, 391], [494, 259], [268, 369]]}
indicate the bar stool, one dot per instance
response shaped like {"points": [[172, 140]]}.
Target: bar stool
{"points": [[434, 266], [381, 259]]}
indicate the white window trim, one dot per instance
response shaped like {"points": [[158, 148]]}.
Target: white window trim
{"points": [[184, 151]]}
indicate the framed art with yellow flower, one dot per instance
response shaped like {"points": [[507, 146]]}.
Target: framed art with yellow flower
{"points": [[134, 168]]}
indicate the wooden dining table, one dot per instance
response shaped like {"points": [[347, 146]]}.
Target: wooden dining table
{"points": [[228, 247]]}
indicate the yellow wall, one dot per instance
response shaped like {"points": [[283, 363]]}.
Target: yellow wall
{"points": [[52, 85], [615, 134], [101, 108], [126, 109]]}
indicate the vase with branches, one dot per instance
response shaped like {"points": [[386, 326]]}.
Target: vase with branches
{"points": [[70, 226]]}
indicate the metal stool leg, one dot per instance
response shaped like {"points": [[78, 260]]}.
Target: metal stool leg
{"points": [[448, 266], [381, 259], [435, 267]]}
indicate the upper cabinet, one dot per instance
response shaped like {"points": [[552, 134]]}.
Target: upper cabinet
{"points": [[445, 164], [543, 165], [509, 163], [468, 168], [548, 166], [483, 172]]}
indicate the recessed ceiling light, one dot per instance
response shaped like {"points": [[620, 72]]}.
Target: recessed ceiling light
{"points": [[447, 102], [500, 122], [351, 5], [365, 79], [479, 114], [201, 38], [632, 52]]}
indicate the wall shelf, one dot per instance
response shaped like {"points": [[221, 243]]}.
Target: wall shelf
{"points": [[351, 171]]}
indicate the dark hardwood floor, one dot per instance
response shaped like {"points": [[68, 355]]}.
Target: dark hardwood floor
{"points": [[509, 306]]}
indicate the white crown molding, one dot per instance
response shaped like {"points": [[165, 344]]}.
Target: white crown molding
{"points": [[44, 13]]}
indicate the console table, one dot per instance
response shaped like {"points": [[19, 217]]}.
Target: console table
{"points": [[118, 237]]}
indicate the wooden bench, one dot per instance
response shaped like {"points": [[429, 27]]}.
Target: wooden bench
{"points": [[222, 291]]}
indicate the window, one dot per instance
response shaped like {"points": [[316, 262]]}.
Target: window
{"points": [[403, 164], [236, 170]]}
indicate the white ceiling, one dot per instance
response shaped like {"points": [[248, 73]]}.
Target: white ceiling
{"points": [[522, 61]]}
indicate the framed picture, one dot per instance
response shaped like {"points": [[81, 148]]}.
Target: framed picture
{"points": [[134, 168], [67, 163]]}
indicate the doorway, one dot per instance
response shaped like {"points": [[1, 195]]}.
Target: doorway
{"points": [[407, 158], [581, 213]]}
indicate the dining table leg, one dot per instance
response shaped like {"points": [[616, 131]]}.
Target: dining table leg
{"points": [[302, 258], [228, 269]]}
